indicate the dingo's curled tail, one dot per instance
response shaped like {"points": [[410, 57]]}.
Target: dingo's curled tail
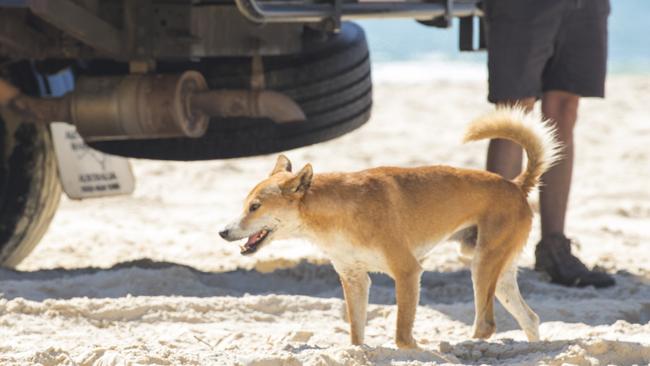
{"points": [[536, 136]]}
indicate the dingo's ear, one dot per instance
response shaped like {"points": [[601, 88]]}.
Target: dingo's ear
{"points": [[300, 182], [282, 165]]}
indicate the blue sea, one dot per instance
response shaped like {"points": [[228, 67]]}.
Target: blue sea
{"points": [[399, 41]]}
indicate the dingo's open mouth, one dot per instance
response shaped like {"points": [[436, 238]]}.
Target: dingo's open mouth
{"points": [[254, 242]]}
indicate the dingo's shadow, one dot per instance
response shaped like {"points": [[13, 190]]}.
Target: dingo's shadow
{"points": [[383, 355], [503, 352], [447, 292], [562, 351]]}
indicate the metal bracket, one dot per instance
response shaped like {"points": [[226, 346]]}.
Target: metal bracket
{"points": [[276, 12], [443, 21], [449, 7], [80, 23], [138, 29], [20, 39], [466, 34], [258, 81], [336, 16]]}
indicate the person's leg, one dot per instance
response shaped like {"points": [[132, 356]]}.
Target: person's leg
{"points": [[553, 252], [561, 109], [505, 157], [564, 48]]}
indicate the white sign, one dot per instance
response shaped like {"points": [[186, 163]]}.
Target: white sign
{"points": [[85, 172]]}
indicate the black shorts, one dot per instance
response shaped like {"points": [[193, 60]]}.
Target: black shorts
{"points": [[536, 46]]}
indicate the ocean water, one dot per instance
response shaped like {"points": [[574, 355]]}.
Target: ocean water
{"points": [[410, 43]]}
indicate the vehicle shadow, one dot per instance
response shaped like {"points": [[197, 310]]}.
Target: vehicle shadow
{"points": [[447, 292]]}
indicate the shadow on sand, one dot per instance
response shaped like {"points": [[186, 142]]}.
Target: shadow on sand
{"points": [[447, 292]]}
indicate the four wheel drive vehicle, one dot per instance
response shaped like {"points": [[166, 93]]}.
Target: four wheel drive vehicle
{"points": [[178, 80]]}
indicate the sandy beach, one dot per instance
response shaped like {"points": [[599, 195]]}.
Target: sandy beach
{"points": [[145, 279]]}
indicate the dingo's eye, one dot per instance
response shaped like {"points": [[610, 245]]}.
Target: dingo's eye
{"points": [[253, 207]]}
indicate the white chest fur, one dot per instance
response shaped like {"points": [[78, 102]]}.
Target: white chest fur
{"points": [[346, 256]]}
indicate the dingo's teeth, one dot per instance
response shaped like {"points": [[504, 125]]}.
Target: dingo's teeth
{"points": [[254, 241]]}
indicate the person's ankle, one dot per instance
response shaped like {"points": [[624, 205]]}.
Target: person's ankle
{"points": [[553, 240], [553, 235]]}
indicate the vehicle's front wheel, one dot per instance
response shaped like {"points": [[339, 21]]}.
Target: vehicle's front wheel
{"points": [[29, 187]]}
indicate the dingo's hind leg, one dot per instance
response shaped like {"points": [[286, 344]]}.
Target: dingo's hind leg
{"points": [[484, 276], [507, 292], [499, 241]]}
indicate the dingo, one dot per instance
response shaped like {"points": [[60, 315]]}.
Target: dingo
{"points": [[387, 219]]}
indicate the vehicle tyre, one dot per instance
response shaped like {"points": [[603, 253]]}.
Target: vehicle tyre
{"points": [[329, 79], [29, 187]]}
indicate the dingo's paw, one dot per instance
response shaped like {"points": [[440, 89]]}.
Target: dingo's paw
{"points": [[406, 344], [484, 330]]}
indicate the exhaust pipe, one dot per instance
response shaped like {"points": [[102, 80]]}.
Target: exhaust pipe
{"points": [[248, 103], [148, 106]]}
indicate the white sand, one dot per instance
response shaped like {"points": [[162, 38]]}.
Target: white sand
{"points": [[87, 296]]}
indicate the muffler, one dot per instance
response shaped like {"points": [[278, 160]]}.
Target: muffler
{"points": [[148, 106], [138, 106]]}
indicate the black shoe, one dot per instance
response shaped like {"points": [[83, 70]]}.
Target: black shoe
{"points": [[553, 256]]}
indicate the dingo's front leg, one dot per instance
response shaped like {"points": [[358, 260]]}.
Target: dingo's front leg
{"points": [[407, 292], [355, 289]]}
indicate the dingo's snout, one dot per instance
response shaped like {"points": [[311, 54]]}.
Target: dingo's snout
{"points": [[224, 233]]}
